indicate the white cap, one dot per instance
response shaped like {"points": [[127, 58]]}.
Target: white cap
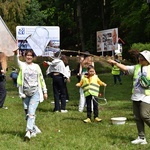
{"points": [[146, 55]]}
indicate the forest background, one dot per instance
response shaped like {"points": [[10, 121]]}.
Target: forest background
{"points": [[80, 20]]}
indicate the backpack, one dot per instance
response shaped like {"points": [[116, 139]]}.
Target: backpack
{"points": [[14, 75]]}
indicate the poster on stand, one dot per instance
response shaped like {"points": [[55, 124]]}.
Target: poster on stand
{"points": [[107, 40]]}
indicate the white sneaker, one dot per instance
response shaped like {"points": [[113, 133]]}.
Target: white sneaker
{"points": [[27, 136], [37, 130], [64, 111], [33, 134], [80, 110], [139, 141], [52, 102]]}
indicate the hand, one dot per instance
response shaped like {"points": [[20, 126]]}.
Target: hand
{"points": [[105, 84], [45, 96], [111, 61], [68, 80], [15, 51], [78, 84]]}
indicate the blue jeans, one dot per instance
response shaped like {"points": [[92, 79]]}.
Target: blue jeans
{"points": [[30, 104]]}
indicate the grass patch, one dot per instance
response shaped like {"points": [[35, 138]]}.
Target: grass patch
{"points": [[67, 131]]}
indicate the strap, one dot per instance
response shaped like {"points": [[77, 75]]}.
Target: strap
{"points": [[141, 69]]}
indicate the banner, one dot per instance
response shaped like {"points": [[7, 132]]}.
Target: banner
{"points": [[7, 41], [107, 40], [44, 40]]}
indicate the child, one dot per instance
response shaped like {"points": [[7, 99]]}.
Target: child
{"points": [[32, 90], [116, 72], [90, 84], [84, 63], [14, 75]]}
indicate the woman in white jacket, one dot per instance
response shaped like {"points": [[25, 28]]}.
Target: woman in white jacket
{"points": [[32, 90]]}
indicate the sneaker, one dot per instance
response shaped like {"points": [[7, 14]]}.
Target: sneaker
{"points": [[33, 134], [98, 119], [88, 120], [27, 136], [56, 111], [80, 110], [37, 130], [52, 102], [4, 107], [139, 141], [64, 111], [67, 101]]}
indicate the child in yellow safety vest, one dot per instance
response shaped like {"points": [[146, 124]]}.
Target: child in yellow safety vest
{"points": [[90, 84], [116, 72]]}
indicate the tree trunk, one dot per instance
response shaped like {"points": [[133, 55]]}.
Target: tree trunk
{"points": [[79, 14]]}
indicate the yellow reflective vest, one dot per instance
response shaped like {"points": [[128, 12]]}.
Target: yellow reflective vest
{"points": [[115, 70], [90, 87], [135, 76]]}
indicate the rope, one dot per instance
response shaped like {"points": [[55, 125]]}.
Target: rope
{"points": [[93, 98]]}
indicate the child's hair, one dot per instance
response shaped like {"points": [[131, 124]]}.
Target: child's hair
{"points": [[64, 59], [29, 51], [90, 67]]}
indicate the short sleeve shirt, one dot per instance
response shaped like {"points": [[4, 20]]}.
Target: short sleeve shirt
{"points": [[139, 92]]}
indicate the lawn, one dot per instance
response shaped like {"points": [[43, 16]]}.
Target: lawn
{"points": [[67, 131]]}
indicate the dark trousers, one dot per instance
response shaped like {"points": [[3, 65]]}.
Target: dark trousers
{"points": [[95, 106], [66, 91], [59, 92], [117, 77], [2, 93]]}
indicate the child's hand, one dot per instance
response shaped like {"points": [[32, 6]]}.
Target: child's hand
{"points": [[105, 84], [15, 52], [78, 84]]}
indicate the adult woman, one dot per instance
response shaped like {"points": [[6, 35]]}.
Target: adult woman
{"points": [[3, 68], [32, 88], [140, 94]]}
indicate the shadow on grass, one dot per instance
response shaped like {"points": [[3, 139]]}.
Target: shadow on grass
{"points": [[14, 133]]}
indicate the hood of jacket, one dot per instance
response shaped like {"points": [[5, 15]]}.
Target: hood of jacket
{"points": [[55, 62]]}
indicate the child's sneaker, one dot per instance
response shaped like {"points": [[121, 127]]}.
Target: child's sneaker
{"points": [[27, 136], [33, 134], [98, 119], [139, 141], [37, 130], [88, 120], [64, 111]]}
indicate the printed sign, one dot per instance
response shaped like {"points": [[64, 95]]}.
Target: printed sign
{"points": [[107, 40], [44, 40]]}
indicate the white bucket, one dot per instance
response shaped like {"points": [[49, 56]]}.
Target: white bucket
{"points": [[118, 120]]}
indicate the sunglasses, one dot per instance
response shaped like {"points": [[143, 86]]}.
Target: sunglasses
{"points": [[141, 58]]}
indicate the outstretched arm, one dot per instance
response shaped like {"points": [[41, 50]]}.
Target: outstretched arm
{"points": [[119, 65]]}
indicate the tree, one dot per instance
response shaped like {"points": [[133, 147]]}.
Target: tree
{"points": [[12, 13], [33, 15]]}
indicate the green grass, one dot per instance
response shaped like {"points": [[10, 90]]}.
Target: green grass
{"points": [[67, 131]]}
